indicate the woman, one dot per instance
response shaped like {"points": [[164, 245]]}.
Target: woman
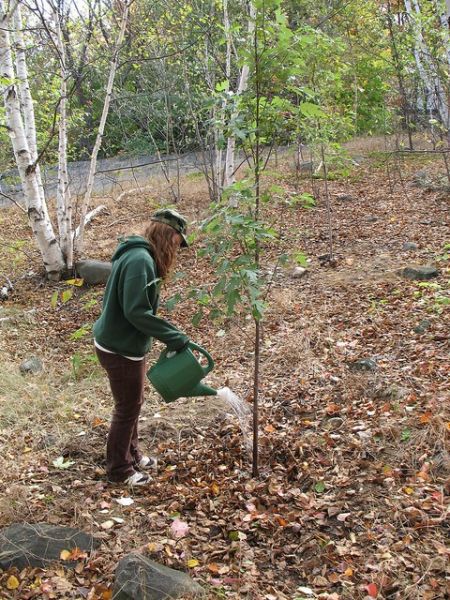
{"points": [[124, 331]]}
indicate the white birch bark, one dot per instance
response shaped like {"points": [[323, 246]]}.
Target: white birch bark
{"points": [[29, 175], [427, 73], [23, 86], [219, 129], [26, 101], [101, 128], [242, 86], [63, 196], [443, 10]]}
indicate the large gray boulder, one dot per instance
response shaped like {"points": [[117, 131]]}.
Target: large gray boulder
{"points": [[37, 545], [94, 272], [420, 272], [139, 578]]}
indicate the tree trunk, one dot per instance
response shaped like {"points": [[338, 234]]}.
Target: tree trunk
{"points": [[26, 101], [443, 11], [23, 86], [219, 127], [101, 128], [242, 86], [29, 174], [257, 174], [428, 75], [399, 72], [63, 196]]}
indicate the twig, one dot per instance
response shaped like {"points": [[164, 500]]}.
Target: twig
{"points": [[14, 202], [88, 218]]}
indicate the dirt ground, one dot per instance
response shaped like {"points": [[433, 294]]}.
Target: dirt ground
{"points": [[352, 500]]}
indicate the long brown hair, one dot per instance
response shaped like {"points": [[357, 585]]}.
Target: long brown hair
{"points": [[164, 243]]}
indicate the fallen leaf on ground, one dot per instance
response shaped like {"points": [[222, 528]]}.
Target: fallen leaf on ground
{"points": [[179, 528], [12, 583]]}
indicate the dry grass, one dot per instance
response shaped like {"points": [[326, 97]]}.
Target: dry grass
{"points": [[428, 446]]}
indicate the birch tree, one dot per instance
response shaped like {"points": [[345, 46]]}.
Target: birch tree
{"points": [[431, 80], [57, 252], [63, 195], [19, 122], [101, 128], [230, 159]]}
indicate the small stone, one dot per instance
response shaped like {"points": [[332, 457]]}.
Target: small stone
{"points": [[31, 365], [93, 272], [391, 392], [407, 246], [298, 272], [421, 179], [420, 272], [48, 440], [422, 326], [371, 219], [139, 578], [364, 436], [345, 197], [364, 364], [306, 167]]}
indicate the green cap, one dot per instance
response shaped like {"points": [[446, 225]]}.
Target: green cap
{"points": [[173, 219]]}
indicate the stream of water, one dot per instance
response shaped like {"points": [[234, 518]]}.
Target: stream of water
{"points": [[241, 410]]}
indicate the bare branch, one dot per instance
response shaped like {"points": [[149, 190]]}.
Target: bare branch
{"points": [[3, 195]]}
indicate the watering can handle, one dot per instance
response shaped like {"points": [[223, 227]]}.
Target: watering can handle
{"points": [[209, 367]]}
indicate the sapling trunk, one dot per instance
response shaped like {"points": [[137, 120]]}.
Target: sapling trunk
{"points": [[328, 204], [257, 173]]}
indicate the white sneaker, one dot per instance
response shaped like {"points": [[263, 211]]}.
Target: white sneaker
{"points": [[137, 479], [148, 462]]}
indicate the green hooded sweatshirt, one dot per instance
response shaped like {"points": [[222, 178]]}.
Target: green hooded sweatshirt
{"points": [[128, 321]]}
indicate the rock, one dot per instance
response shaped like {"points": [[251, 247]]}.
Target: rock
{"points": [[93, 272], [334, 423], [31, 365], [422, 326], [420, 272], [48, 440], [392, 392], [410, 246], [345, 197], [364, 364], [139, 578], [371, 219], [421, 179], [364, 436], [306, 167], [38, 545], [298, 272]]}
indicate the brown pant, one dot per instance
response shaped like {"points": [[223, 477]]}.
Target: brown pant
{"points": [[126, 378]]}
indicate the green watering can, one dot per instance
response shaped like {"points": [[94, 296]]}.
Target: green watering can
{"points": [[177, 375]]}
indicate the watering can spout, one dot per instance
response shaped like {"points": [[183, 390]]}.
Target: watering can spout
{"points": [[201, 390]]}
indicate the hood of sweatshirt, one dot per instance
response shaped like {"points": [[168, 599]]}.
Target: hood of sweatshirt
{"points": [[129, 243]]}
